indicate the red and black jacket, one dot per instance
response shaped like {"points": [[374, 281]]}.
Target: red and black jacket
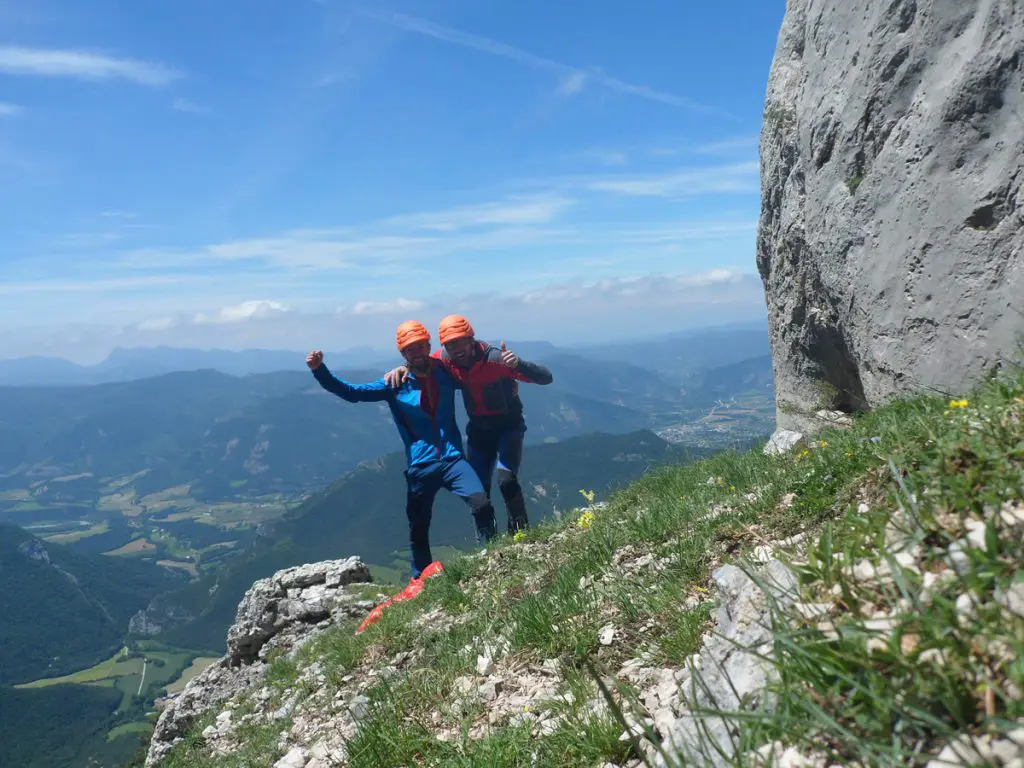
{"points": [[490, 389]]}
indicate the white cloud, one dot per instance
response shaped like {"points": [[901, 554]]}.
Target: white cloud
{"points": [[571, 84], [100, 285], [157, 324], [82, 65], [713, 277], [531, 209], [387, 307], [736, 178], [385, 246], [563, 312], [505, 51], [10, 110], [679, 233], [88, 239], [184, 105], [339, 249], [657, 290], [240, 313], [119, 215]]}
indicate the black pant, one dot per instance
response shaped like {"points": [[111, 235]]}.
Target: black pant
{"points": [[423, 483], [501, 448]]}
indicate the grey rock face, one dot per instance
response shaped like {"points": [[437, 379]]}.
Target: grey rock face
{"points": [[730, 672], [891, 240], [217, 683], [783, 441], [157, 617], [284, 611], [303, 595], [33, 549]]}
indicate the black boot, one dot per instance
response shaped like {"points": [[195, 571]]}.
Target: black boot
{"points": [[483, 517], [514, 501]]}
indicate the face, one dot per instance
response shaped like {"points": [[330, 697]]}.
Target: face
{"points": [[417, 355], [460, 350]]}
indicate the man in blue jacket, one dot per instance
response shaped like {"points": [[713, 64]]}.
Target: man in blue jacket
{"points": [[423, 408]]}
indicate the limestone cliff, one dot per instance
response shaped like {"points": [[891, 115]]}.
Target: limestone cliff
{"points": [[891, 233]]}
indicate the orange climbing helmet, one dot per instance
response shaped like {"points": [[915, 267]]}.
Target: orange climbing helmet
{"points": [[410, 332], [454, 327]]}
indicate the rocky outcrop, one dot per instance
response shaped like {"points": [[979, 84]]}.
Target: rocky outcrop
{"points": [[282, 612], [731, 671], [891, 240], [159, 616]]}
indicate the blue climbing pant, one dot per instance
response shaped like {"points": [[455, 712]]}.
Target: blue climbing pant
{"points": [[423, 483], [500, 449]]}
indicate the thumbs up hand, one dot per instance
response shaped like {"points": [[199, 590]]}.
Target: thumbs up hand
{"points": [[508, 357]]}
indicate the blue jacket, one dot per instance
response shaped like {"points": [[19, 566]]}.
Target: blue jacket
{"points": [[423, 410]]}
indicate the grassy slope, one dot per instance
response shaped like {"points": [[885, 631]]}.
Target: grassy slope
{"points": [[892, 704]]}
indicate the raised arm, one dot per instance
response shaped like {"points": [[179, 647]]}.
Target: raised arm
{"points": [[375, 391], [519, 369]]}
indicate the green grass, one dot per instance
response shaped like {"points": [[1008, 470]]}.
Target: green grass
{"points": [[70, 538], [548, 595], [889, 703], [114, 667], [384, 574], [197, 665], [259, 747], [143, 729], [28, 506]]}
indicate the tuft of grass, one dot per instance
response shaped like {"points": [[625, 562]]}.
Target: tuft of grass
{"points": [[859, 695]]}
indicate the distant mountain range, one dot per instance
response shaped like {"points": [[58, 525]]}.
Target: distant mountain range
{"points": [[229, 436], [145, 362], [666, 353], [243, 437]]}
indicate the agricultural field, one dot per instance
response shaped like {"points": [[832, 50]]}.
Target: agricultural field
{"points": [[198, 665], [140, 676], [110, 516]]}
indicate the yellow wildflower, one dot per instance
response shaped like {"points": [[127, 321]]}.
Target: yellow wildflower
{"points": [[954, 404], [588, 495], [586, 520], [519, 536]]}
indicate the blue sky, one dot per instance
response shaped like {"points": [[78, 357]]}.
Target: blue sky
{"points": [[310, 172]]}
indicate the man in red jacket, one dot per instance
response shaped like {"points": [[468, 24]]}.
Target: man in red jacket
{"points": [[489, 379]]}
